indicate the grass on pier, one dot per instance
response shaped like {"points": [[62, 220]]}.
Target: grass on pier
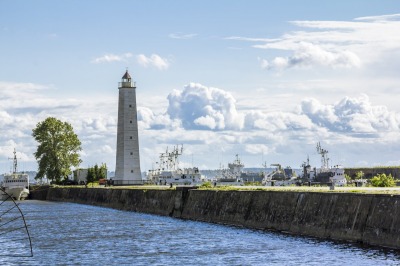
{"points": [[363, 190]]}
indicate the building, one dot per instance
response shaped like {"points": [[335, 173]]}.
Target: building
{"points": [[80, 175], [127, 170]]}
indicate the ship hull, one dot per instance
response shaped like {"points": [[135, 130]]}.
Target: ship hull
{"points": [[16, 193]]}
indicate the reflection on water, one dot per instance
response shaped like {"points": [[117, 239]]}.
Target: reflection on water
{"points": [[66, 233]]}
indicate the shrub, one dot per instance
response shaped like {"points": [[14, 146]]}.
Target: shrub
{"points": [[382, 180], [206, 185]]}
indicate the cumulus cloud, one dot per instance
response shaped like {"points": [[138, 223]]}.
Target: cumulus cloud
{"points": [[108, 58], [356, 115], [147, 119], [206, 119], [201, 107], [153, 61], [198, 107], [23, 105]]}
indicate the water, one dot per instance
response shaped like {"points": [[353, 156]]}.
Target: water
{"points": [[73, 234]]}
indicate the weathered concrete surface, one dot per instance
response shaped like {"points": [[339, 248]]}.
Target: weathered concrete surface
{"points": [[368, 219]]}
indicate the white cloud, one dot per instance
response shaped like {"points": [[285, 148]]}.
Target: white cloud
{"points": [[23, 105], [182, 36], [108, 58], [333, 44], [308, 54], [258, 149], [201, 107], [380, 18], [147, 119], [351, 115], [154, 61], [209, 121]]}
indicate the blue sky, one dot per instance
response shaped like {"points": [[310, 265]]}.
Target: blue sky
{"points": [[263, 79]]}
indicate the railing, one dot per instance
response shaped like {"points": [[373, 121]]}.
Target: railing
{"points": [[127, 84]]}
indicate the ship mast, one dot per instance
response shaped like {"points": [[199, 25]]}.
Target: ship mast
{"points": [[169, 160], [15, 162], [324, 156]]}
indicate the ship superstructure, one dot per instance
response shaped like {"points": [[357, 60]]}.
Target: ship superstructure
{"points": [[168, 171], [15, 184]]}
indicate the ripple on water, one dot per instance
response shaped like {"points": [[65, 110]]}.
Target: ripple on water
{"points": [[66, 233]]}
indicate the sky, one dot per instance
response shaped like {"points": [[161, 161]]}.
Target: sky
{"points": [[266, 80]]}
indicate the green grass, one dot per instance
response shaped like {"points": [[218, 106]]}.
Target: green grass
{"points": [[317, 189]]}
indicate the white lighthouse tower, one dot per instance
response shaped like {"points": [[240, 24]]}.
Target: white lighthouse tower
{"points": [[127, 170]]}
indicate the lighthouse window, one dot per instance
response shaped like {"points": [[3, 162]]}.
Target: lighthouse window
{"points": [[131, 153], [130, 105], [130, 137], [131, 171], [130, 121]]}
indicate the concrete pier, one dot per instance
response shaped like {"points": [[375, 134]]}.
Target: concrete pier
{"points": [[364, 218]]}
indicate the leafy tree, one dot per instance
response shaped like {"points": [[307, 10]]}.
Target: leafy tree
{"points": [[101, 171], [95, 173], [359, 175], [91, 175], [382, 180], [58, 149]]}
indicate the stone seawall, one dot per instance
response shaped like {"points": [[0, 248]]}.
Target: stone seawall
{"points": [[363, 218]]}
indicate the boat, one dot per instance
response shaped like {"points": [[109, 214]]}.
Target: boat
{"points": [[232, 176], [15, 184], [325, 175], [168, 171]]}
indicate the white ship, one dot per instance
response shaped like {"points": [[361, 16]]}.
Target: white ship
{"points": [[168, 171], [15, 185]]}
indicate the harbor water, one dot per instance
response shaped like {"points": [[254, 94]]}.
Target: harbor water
{"points": [[74, 234]]}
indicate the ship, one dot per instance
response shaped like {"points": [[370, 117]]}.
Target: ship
{"points": [[15, 184], [232, 176], [169, 173], [325, 175]]}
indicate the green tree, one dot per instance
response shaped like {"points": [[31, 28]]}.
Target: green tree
{"points": [[101, 171], [96, 172], [382, 180], [91, 175], [359, 175], [58, 149]]}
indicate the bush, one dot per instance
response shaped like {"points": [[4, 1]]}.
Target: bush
{"points": [[206, 185], [382, 180]]}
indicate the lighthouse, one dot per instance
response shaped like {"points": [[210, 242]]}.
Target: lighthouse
{"points": [[127, 170]]}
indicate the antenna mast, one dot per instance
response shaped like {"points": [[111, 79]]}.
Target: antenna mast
{"points": [[324, 156], [15, 162]]}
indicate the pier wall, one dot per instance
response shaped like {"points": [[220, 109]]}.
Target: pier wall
{"points": [[363, 218]]}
